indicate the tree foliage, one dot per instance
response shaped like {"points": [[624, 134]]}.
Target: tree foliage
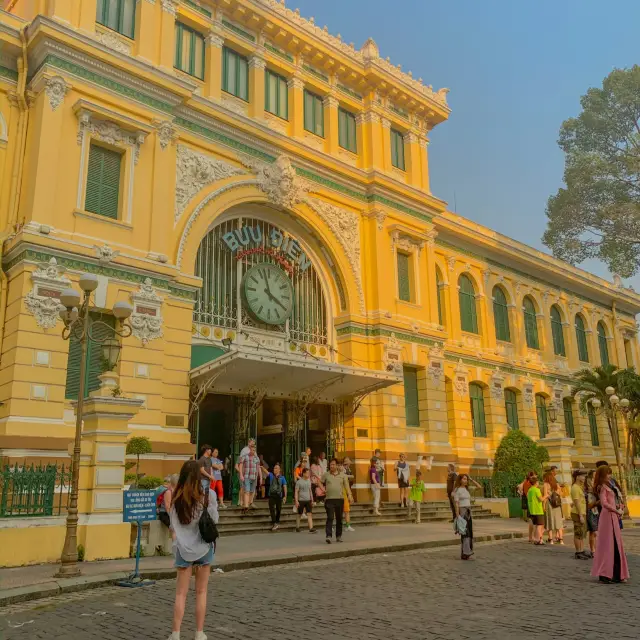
{"points": [[597, 214], [517, 454], [138, 446]]}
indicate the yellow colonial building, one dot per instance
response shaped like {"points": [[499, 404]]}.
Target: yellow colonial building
{"points": [[258, 190]]}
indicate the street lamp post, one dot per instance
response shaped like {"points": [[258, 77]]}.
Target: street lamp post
{"points": [[75, 316]]}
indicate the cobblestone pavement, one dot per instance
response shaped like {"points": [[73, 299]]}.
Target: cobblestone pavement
{"points": [[512, 590]]}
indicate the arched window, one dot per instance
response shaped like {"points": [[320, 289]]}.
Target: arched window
{"points": [[440, 293], [602, 344], [511, 408], [569, 427], [557, 332], [476, 396], [581, 338], [541, 412], [501, 315], [467, 298], [530, 323], [593, 426]]}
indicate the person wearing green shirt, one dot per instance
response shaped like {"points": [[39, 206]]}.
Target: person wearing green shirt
{"points": [[535, 503], [415, 494]]}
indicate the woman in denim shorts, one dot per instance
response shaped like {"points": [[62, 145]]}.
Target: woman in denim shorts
{"points": [[191, 550]]}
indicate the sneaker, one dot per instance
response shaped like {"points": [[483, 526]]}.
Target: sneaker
{"points": [[200, 635], [297, 529], [276, 526], [338, 539], [175, 635], [328, 540], [313, 531], [350, 528], [223, 506]]}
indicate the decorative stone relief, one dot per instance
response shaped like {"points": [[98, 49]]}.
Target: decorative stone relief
{"points": [[56, 89], [170, 6], [432, 234], [393, 355], [527, 393], [109, 39], [109, 132], [460, 379], [146, 320], [234, 105], [43, 301], [496, 385], [452, 263], [194, 171], [406, 242], [105, 253], [166, 133], [435, 370]]}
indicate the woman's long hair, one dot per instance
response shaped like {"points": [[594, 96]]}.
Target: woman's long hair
{"points": [[600, 478], [550, 479], [188, 495], [459, 480]]}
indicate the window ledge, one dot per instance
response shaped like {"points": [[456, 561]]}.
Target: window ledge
{"points": [[81, 213], [415, 305]]}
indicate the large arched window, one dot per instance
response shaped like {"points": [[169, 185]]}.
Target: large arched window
{"points": [[530, 323], [467, 297], [541, 413], [511, 408], [478, 419], [440, 294], [557, 332], [602, 344], [581, 339], [501, 315]]}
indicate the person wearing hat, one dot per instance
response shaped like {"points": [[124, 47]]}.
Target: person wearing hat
{"points": [[579, 513]]}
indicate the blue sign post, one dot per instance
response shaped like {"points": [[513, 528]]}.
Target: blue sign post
{"points": [[138, 506]]}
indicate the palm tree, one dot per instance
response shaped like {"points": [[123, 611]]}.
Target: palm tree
{"points": [[592, 384]]}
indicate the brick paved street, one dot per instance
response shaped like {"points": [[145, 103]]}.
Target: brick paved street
{"points": [[511, 590]]}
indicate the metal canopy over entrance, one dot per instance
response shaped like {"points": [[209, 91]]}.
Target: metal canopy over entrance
{"points": [[288, 377]]}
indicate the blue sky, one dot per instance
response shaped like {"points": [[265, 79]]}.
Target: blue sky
{"points": [[516, 70]]}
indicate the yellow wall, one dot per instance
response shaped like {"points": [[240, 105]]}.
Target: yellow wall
{"points": [[155, 114]]}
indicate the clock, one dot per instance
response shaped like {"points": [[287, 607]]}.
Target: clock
{"points": [[268, 293]]}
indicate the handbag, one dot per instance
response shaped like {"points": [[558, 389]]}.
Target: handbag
{"points": [[555, 500], [206, 525]]}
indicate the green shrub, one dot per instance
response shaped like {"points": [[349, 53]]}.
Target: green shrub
{"points": [[129, 478], [516, 455], [80, 553], [150, 482]]}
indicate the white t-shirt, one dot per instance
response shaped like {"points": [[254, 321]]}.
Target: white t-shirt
{"points": [[190, 544], [462, 496], [323, 465]]}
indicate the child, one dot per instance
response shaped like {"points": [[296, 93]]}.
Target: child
{"points": [[535, 503], [303, 499], [415, 494]]}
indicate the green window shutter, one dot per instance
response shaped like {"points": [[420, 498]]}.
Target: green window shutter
{"points": [[511, 408], [243, 79], [313, 114], [404, 283], [557, 332], [276, 98], [190, 52], [103, 182], [397, 149], [440, 295], [319, 117], [602, 344], [568, 418], [501, 315], [478, 419], [541, 413], [95, 366], [308, 111], [593, 426], [118, 15], [581, 339], [467, 300], [347, 130], [530, 324], [411, 400]]}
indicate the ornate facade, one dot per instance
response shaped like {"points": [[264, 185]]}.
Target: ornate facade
{"points": [[170, 146]]}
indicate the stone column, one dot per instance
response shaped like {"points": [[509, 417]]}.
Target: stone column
{"points": [[213, 63], [414, 164], [488, 328], [386, 145], [102, 466], [372, 151], [432, 284], [330, 104], [167, 36], [296, 105], [257, 65], [423, 144]]}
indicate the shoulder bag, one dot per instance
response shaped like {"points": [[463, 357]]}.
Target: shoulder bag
{"points": [[208, 529]]}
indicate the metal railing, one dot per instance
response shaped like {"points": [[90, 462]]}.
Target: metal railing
{"points": [[34, 491], [500, 485]]}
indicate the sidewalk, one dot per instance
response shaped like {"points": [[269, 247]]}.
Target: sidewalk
{"points": [[249, 551]]}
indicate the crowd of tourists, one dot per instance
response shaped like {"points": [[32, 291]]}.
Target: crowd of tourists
{"points": [[597, 508], [190, 503]]}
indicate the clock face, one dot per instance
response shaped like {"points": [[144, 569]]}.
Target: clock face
{"points": [[268, 293]]}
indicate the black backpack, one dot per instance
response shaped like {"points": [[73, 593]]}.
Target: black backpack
{"points": [[275, 488], [208, 529]]}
